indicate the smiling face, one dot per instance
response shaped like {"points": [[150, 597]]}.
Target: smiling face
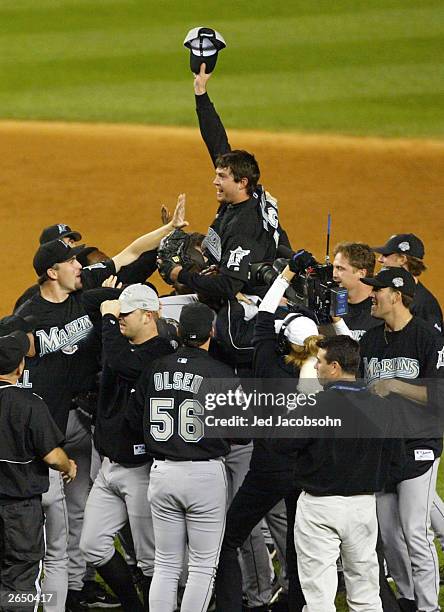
{"points": [[383, 301], [67, 274], [228, 191]]}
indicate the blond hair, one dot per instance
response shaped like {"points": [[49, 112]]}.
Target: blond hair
{"points": [[298, 354]]}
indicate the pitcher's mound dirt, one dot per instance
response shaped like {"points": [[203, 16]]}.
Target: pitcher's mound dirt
{"points": [[108, 182]]}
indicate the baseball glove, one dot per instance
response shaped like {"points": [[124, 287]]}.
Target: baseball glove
{"points": [[178, 249]]}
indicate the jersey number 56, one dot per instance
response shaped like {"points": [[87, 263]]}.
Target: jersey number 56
{"points": [[189, 426]]}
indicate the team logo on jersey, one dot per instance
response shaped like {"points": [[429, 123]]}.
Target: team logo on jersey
{"points": [[236, 257], [398, 281], [440, 362], [402, 367], [404, 246], [357, 334], [65, 339], [212, 243]]}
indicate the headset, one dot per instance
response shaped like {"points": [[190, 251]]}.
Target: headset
{"points": [[282, 342]]}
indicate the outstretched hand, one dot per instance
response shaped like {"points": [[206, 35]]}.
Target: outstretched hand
{"points": [[200, 81], [178, 219]]}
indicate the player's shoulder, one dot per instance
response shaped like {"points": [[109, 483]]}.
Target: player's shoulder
{"points": [[372, 334], [425, 331]]}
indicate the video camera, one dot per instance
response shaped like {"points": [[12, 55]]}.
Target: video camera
{"points": [[313, 286]]}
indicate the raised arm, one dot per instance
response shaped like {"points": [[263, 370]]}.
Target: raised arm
{"points": [[210, 124], [150, 241]]}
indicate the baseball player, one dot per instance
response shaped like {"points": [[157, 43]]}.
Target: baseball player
{"points": [[407, 251], [246, 228], [130, 343], [30, 439], [400, 351], [188, 486], [65, 365], [58, 231]]}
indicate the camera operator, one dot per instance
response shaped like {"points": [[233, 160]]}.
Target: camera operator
{"points": [[270, 476], [246, 228]]}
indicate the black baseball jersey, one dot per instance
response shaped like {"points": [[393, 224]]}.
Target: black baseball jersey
{"points": [[242, 233], [123, 364], [414, 354], [359, 319], [27, 433], [172, 416], [426, 306], [67, 350]]}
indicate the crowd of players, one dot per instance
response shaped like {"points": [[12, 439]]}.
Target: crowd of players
{"points": [[98, 380]]}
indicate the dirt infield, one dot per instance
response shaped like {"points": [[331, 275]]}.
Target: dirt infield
{"points": [[109, 181]]}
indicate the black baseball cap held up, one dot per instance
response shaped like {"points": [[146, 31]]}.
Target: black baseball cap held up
{"points": [[196, 322], [406, 244], [13, 323], [54, 252], [59, 230], [204, 45], [13, 348], [397, 278]]}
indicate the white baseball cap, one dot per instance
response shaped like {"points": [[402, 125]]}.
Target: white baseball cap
{"points": [[138, 296], [298, 329]]}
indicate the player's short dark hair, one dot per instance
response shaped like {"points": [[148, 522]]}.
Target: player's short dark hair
{"points": [[415, 266], [342, 349], [242, 165], [359, 255]]}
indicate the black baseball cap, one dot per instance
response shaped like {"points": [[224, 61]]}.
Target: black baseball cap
{"points": [[204, 45], [59, 230], [13, 348], [53, 252], [196, 322], [406, 244], [396, 278], [14, 322]]}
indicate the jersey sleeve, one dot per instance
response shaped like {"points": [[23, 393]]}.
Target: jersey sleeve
{"points": [[94, 275], [44, 433], [219, 285], [211, 128], [141, 269]]}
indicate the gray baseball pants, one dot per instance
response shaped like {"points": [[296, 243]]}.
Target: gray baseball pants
{"points": [[78, 447], [189, 504], [118, 496], [55, 562], [404, 520]]}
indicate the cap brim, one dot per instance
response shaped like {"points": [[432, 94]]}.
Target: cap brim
{"points": [[74, 235], [73, 252], [373, 282], [126, 309], [382, 250]]}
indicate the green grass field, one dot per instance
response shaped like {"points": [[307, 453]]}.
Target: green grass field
{"points": [[345, 66]]}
